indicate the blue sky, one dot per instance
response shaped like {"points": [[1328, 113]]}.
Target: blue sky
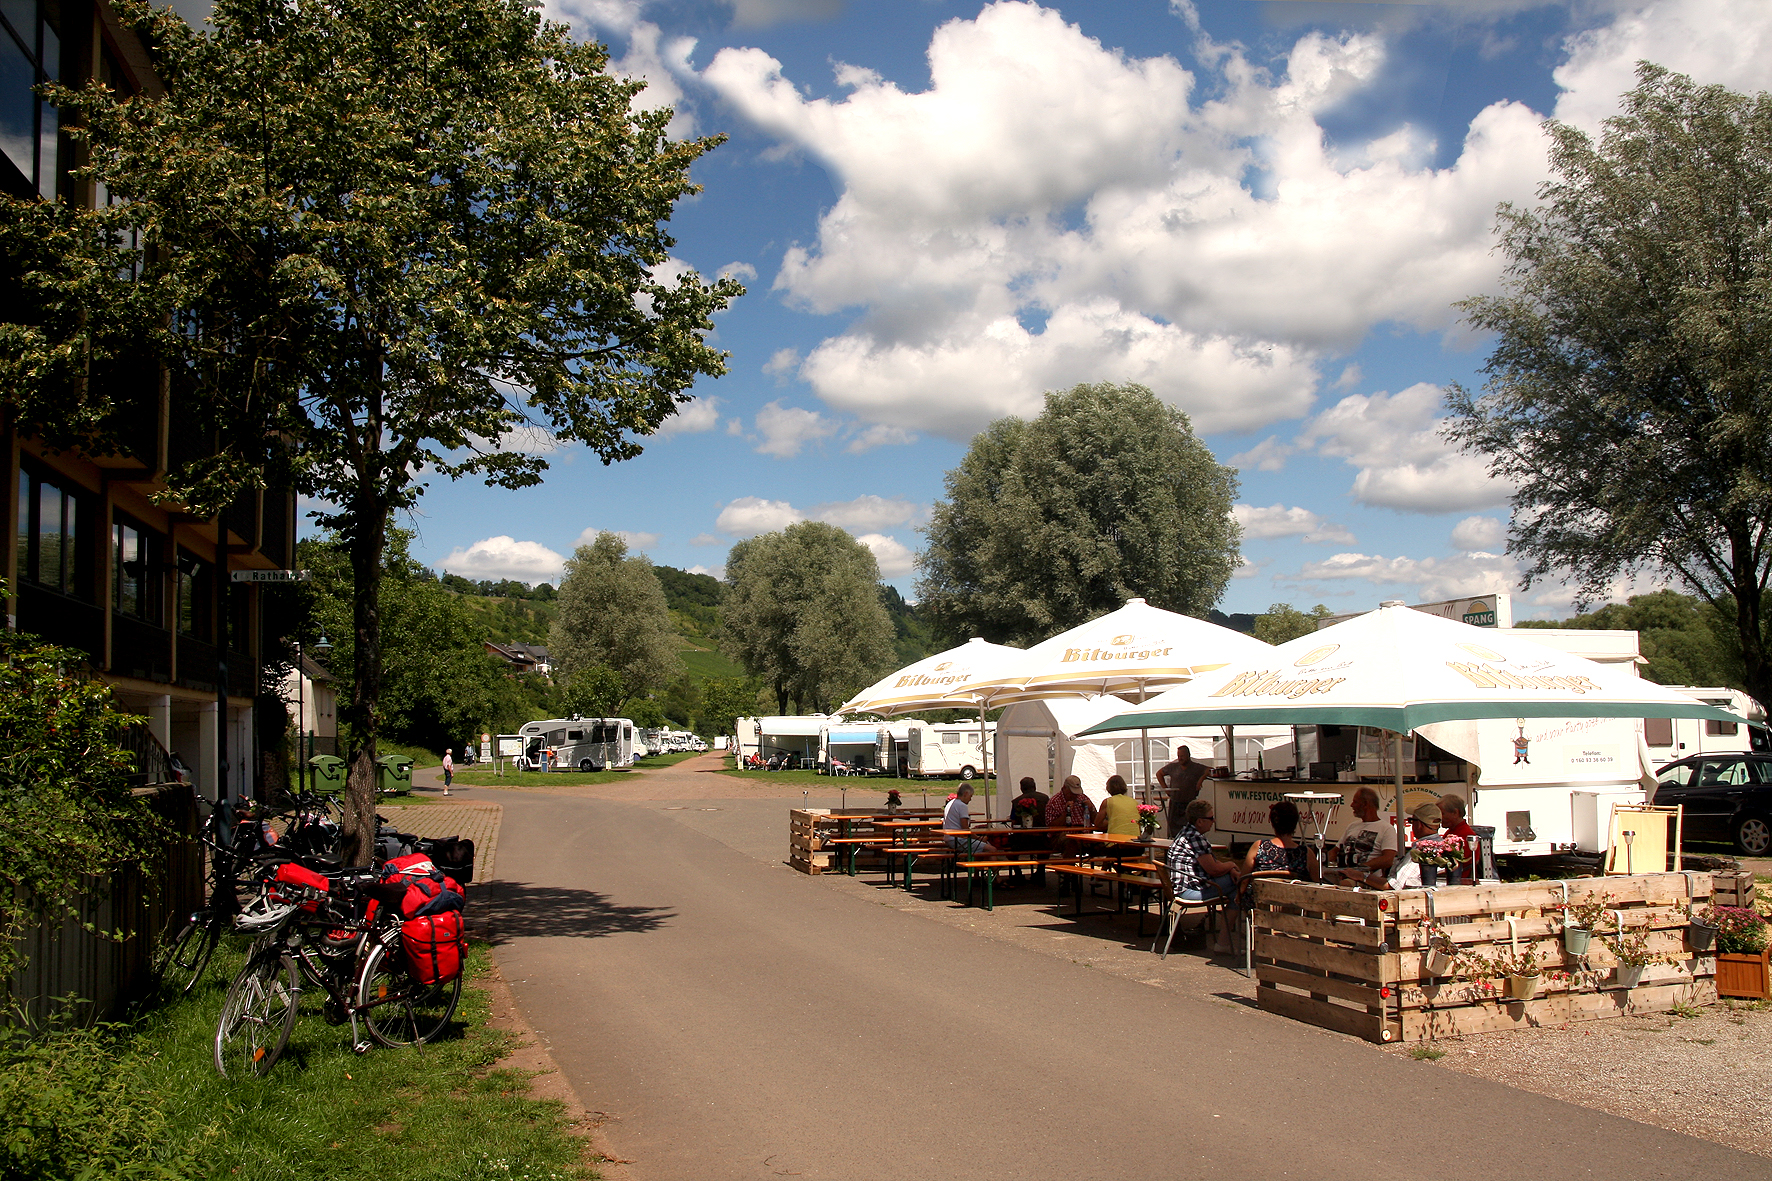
{"points": [[1262, 210]]}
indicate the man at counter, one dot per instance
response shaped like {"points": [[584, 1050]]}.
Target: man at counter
{"points": [[1196, 873], [1368, 847], [1181, 779]]}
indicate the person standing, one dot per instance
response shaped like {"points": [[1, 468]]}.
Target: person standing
{"points": [[448, 769], [1181, 779]]}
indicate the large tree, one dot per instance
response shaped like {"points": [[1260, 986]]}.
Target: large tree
{"points": [[1629, 396], [802, 613], [612, 640], [1105, 496], [380, 241]]}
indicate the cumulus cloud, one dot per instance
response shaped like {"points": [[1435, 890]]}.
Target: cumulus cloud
{"points": [[634, 541], [692, 418], [787, 429], [1433, 578], [879, 435], [781, 364], [704, 539], [713, 571], [894, 558], [744, 272], [750, 515], [1269, 455], [1479, 534], [868, 512], [1279, 521], [1248, 569], [1050, 210], [505, 557], [660, 61], [1394, 441]]}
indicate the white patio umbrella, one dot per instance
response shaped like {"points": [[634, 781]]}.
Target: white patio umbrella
{"points": [[1133, 653], [1397, 669], [933, 682]]}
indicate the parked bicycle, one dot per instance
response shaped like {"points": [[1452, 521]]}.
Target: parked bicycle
{"points": [[351, 933], [232, 842]]}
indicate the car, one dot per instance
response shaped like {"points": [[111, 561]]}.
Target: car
{"points": [[1725, 797]]}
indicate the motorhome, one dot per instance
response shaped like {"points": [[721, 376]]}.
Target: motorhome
{"points": [[853, 746], [1675, 738], [792, 738], [944, 750], [584, 744]]}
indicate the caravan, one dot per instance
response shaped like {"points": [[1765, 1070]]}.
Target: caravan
{"points": [[584, 744], [783, 740], [942, 750]]}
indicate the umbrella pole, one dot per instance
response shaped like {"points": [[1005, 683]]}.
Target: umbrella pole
{"points": [[1397, 748], [1230, 750], [1150, 789], [984, 758]]}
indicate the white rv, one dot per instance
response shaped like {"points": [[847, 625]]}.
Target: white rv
{"points": [[784, 738], [940, 750], [583, 744], [855, 745], [1675, 738]]}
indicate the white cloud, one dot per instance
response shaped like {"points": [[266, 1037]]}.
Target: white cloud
{"points": [[505, 557], [787, 429], [691, 418], [1404, 464], [762, 13], [742, 271], [1433, 578], [781, 364], [1269, 455], [704, 539], [715, 571], [1479, 533], [634, 541], [1279, 521], [651, 56], [895, 560], [750, 515], [868, 512], [1050, 210], [879, 435], [1248, 569], [1350, 377]]}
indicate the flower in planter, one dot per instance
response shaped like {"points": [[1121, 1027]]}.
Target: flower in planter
{"points": [[1740, 930], [1442, 852], [1587, 914], [1148, 815], [1632, 950]]}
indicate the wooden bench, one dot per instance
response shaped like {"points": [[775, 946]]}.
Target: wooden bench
{"points": [[1081, 873], [988, 869], [940, 854], [854, 846]]}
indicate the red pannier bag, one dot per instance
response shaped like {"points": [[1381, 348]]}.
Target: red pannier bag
{"points": [[435, 946], [428, 889]]}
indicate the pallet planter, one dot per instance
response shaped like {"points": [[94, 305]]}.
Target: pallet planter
{"points": [[1356, 961], [810, 831], [1745, 975], [1733, 889]]}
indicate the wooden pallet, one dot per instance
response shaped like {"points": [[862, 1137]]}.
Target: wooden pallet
{"points": [[1733, 889], [1356, 961]]}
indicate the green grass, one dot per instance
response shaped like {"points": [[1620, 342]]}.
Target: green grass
{"points": [[541, 778], [445, 1112], [703, 663], [1426, 1053]]}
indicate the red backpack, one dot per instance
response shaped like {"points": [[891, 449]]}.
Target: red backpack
{"points": [[432, 934]]}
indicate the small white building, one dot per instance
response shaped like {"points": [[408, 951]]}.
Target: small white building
{"points": [[313, 707]]}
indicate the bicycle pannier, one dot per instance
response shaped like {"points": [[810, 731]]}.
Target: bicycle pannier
{"points": [[428, 889], [453, 855], [435, 946]]}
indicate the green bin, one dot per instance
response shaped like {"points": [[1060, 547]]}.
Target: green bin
{"points": [[329, 772], [393, 774]]}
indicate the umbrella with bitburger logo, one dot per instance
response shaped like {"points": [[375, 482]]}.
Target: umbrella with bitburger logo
{"points": [[1396, 669]]}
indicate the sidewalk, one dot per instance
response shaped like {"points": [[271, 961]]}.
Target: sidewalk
{"points": [[477, 822]]}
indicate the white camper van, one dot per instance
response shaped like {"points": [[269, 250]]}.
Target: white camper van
{"points": [[790, 739], [854, 746], [940, 750], [583, 744]]}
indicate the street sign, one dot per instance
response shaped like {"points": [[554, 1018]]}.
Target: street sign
{"points": [[1490, 610], [270, 575]]}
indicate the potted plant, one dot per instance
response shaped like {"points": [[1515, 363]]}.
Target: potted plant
{"points": [[1519, 968], [1440, 853], [1701, 927], [1632, 952], [893, 803], [1580, 919], [1442, 953], [1742, 953], [1149, 815], [1025, 809]]}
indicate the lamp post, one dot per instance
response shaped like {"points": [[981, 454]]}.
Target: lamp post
{"points": [[301, 712]]}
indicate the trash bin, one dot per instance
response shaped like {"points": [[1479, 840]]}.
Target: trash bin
{"points": [[329, 772], [393, 774]]}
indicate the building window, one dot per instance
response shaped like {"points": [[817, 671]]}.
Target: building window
{"points": [[135, 571], [49, 535], [196, 597], [30, 54]]}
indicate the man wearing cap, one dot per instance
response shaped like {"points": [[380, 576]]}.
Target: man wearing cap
{"points": [[1369, 846], [1405, 871]]}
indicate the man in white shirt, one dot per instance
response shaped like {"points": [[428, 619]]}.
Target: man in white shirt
{"points": [[957, 816], [1405, 872], [1368, 846]]}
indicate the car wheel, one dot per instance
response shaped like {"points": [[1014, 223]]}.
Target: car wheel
{"points": [[586, 765], [967, 772], [1753, 835]]}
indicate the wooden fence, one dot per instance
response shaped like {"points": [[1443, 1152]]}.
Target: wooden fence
{"points": [[1356, 961], [66, 958]]}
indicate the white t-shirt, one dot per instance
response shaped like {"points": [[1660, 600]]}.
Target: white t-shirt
{"points": [[1364, 840], [957, 815], [1405, 874]]}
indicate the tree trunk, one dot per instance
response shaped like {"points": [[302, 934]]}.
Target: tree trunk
{"points": [[1750, 601], [367, 540]]}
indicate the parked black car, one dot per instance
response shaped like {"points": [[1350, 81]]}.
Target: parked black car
{"points": [[1727, 797]]}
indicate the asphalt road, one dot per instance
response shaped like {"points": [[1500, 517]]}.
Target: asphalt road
{"points": [[740, 1020]]}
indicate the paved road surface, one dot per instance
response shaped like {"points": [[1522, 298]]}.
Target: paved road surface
{"points": [[741, 1020]]}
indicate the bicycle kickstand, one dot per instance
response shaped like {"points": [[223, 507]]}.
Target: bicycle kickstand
{"points": [[359, 1044]]}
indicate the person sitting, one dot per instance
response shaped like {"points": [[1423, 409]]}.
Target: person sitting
{"points": [[1070, 806], [1118, 814], [1282, 851], [1369, 846], [1196, 873], [957, 817], [1031, 800], [1453, 821], [1405, 872]]}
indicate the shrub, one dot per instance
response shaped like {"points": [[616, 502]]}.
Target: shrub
{"points": [[1740, 930]]}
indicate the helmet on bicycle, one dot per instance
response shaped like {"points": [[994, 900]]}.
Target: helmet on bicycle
{"points": [[264, 911]]}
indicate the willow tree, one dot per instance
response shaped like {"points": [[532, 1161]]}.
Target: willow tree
{"points": [[1107, 495], [1629, 396], [612, 639], [387, 239]]}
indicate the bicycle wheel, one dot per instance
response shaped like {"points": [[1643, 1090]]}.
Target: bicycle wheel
{"points": [[183, 958], [258, 1015], [398, 1010]]}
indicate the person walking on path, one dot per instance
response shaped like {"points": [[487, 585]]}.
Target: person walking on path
{"points": [[448, 769]]}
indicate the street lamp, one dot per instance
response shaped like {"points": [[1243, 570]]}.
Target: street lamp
{"points": [[322, 647]]}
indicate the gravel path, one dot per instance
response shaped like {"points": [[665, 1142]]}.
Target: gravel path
{"points": [[1708, 1075]]}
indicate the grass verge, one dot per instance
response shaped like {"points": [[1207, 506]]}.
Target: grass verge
{"points": [[541, 778], [446, 1111]]}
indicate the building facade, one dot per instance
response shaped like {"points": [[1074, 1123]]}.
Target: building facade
{"points": [[145, 590]]}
